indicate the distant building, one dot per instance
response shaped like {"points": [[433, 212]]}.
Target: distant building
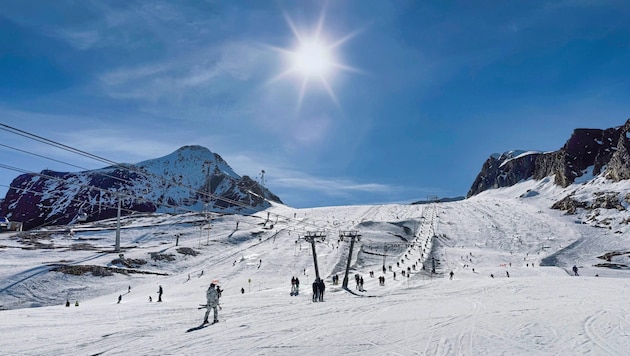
{"points": [[6, 224]]}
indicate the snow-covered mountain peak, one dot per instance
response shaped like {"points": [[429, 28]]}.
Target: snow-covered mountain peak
{"points": [[191, 178]]}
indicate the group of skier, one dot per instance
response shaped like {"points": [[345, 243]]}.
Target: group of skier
{"points": [[359, 282], [318, 290], [295, 286]]}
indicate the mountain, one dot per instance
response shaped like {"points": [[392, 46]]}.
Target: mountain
{"points": [[586, 154], [189, 179]]}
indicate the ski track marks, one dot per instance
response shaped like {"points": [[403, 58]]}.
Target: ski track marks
{"points": [[598, 327]]}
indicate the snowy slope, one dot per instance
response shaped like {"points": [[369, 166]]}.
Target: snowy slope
{"points": [[540, 310]]}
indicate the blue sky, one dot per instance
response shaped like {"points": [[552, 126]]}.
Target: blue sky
{"points": [[416, 97]]}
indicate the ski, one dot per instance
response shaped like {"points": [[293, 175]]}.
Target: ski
{"points": [[202, 326]]}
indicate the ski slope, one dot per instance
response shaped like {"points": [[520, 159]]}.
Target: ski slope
{"points": [[539, 309]]}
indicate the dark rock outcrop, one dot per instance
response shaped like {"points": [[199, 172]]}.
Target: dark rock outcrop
{"points": [[569, 204], [604, 151]]}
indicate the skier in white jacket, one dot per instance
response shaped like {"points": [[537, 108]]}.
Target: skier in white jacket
{"points": [[212, 302]]}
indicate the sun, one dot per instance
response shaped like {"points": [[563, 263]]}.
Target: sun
{"points": [[313, 59]]}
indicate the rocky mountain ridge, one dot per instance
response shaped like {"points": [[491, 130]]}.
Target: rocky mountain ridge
{"points": [[189, 179], [587, 153]]}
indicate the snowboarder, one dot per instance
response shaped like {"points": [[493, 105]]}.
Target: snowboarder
{"points": [[575, 270], [451, 274], [212, 301], [160, 291], [508, 274]]}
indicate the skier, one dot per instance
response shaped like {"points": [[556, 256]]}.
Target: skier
{"points": [[575, 270], [315, 291], [242, 290], [67, 303], [219, 291], [451, 274], [297, 286], [292, 285], [212, 298], [321, 286], [119, 298], [160, 291]]}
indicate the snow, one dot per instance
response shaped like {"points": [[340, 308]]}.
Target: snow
{"points": [[512, 155], [541, 310]]}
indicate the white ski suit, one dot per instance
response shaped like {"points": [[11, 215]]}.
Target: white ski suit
{"points": [[212, 302]]}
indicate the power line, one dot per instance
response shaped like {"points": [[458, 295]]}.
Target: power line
{"points": [[126, 167], [145, 174]]}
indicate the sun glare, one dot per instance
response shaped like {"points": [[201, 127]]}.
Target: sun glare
{"points": [[313, 60]]}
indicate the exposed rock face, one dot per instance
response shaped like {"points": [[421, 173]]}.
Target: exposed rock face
{"points": [[569, 204], [190, 179], [602, 200], [504, 170], [619, 164], [603, 151]]}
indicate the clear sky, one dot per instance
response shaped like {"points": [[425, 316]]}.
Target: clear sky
{"points": [[340, 102]]}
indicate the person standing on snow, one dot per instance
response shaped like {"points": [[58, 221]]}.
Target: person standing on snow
{"points": [[575, 270], [321, 287], [160, 291], [452, 274], [212, 301], [315, 291]]}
